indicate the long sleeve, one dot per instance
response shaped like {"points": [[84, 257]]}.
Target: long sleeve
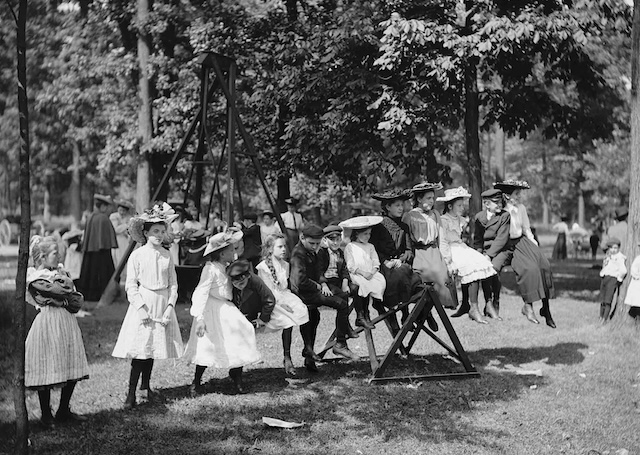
{"points": [[445, 246], [350, 259], [502, 235], [201, 292], [173, 283], [323, 263], [375, 260], [132, 285], [622, 269], [301, 283], [266, 297], [526, 224], [478, 234]]}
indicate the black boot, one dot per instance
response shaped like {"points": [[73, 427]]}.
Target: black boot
{"points": [[236, 376], [546, 314], [45, 408], [464, 309], [363, 321]]}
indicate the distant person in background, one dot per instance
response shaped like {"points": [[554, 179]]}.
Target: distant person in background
{"points": [[120, 220], [560, 248], [73, 254], [293, 222], [99, 240], [217, 225], [613, 272], [618, 230], [251, 236], [191, 217], [269, 226]]}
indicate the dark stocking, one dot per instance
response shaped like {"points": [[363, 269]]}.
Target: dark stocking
{"points": [[198, 376], [146, 374], [65, 396], [44, 396], [286, 342]]}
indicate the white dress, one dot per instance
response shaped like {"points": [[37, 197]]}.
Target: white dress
{"points": [[151, 281], [282, 318], [633, 292], [54, 348], [469, 264], [363, 256], [230, 339]]}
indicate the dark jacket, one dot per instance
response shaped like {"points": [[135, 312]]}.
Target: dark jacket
{"points": [[305, 272], [323, 265], [255, 299], [391, 240], [491, 236], [252, 244]]}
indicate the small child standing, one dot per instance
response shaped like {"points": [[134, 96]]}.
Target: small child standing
{"points": [[73, 257], [363, 264], [289, 311], [612, 273], [150, 328]]}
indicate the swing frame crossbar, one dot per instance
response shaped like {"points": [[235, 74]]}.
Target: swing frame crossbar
{"points": [[379, 364]]}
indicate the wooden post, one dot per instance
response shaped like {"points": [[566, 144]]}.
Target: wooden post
{"points": [[231, 140]]}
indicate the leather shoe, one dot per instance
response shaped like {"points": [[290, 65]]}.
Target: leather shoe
{"points": [[462, 310], [48, 421], [195, 390], [527, 310], [289, 369], [310, 365], [153, 396], [309, 354], [431, 322], [490, 311], [68, 416], [344, 351], [547, 316], [130, 401], [362, 322], [351, 333]]}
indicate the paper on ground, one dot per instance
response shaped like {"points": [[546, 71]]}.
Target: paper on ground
{"points": [[280, 423]]}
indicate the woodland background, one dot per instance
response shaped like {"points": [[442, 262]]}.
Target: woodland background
{"points": [[342, 98]]}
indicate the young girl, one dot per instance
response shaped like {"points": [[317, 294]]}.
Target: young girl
{"points": [[613, 272], [55, 355], [633, 291], [150, 328], [289, 311], [424, 228], [363, 265], [221, 336], [468, 264]]}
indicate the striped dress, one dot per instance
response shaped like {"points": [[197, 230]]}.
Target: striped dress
{"points": [[55, 352]]}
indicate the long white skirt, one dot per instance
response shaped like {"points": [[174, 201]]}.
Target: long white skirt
{"points": [[470, 264], [154, 341], [54, 350], [374, 287], [229, 341], [294, 315]]}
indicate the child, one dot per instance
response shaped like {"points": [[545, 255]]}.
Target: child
{"points": [[150, 328], [468, 264], [221, 336], [73, 255], [55, 355], [613, 272], [268, 226], [289, 311], [633, 291], [333, 268], [364, 266]]}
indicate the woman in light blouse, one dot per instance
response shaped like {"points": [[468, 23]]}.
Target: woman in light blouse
{"points": [[532, 269]]}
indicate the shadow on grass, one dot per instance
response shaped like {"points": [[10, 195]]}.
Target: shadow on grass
{"points": [[338, 406]]}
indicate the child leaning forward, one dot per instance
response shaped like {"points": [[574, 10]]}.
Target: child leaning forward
{"points": [[613, 272]]}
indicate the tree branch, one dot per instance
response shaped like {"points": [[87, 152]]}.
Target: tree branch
{"points": [[13, 13]]}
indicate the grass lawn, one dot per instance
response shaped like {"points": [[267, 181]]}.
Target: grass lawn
{"points": [[586, 399]]}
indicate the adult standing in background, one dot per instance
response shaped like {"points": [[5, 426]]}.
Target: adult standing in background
{"points": [[269, 226], [99, 239], [120, 221], [293, 222], [560, 248], [618, 230]]}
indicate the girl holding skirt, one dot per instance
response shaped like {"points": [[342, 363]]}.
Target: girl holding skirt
{"points": [[55, 355], [150, 328], [469, 265], [221, 336], [289, 311]]}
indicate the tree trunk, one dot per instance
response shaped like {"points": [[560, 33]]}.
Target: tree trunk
{"points": [[143, 178], [75, 197], [46, 203], [471, 123], [633, 235], [580, 207], [498, 161], [20, 323]]}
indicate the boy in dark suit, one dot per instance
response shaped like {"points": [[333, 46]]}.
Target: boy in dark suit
{"points": [[491, 238], [252, 297]]}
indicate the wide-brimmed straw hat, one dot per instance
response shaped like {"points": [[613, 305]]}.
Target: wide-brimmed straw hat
{"points": [[425, 187], [392, 195], [454, 193], [292, 201], [222, 240], [509, 186], [156, 214], [360, 222], [124, 203], [103, 198]]}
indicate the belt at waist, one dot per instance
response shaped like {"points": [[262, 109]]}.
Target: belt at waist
{"points": [[422, 246]]}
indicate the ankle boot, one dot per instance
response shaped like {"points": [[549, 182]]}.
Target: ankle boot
{"points": [[464, 309], [489, 310], [474, 313], [363, 321], [527, 311], [546, 314], [130, 401]]}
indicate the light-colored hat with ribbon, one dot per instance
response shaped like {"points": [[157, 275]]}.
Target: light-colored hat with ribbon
{"points": [[222, 240], [454, 193], [72, 233], [124, 203], [156, 214], [360, 222]]}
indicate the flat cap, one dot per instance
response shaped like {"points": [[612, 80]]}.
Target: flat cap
{"points": [[492, 193], [250, 216], [313, 231], [332, 229], [237, 268], [291, 201]]}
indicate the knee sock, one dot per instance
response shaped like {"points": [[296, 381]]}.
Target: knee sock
{"points": [[146, 374], [198, 376], [465, 294], [286, 342], [136, 370], [44, 396], [605, 310]]}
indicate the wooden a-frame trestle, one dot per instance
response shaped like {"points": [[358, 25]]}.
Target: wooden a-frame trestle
{"points": [[217, 74]]}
